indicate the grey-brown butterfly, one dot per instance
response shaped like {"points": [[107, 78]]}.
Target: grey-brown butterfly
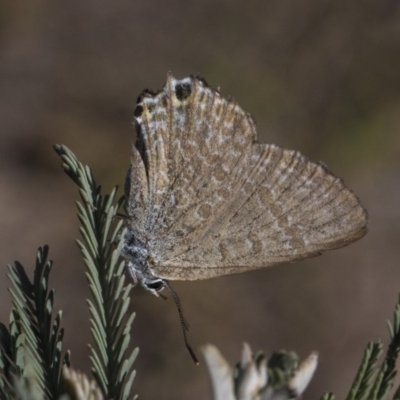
{"points": [[205, 199]]}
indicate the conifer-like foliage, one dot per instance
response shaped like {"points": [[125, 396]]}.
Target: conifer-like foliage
{"points": [[31, 347], [111, 360], [374, 382], [31, 362]]}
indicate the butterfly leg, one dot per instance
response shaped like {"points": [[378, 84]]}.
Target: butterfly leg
{"points": [[132, 273]]}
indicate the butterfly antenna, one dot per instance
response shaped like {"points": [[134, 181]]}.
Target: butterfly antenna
{"points": [[184, 324]]}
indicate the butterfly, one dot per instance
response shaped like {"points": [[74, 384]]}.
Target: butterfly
{"points": [[205, 199]]}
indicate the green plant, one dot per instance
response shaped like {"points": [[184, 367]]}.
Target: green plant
{"points": [[31, 347]]}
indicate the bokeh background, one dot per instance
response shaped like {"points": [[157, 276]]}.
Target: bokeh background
{"points": [[322, 77]]}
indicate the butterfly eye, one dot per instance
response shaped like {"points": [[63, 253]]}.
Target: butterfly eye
{"points": [[155, 285]]}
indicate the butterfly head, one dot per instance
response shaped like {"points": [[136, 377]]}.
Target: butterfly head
{"points": [[139, 263], [140, 274]]}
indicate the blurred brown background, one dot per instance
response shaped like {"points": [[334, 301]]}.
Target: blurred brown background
{"points": [[322, 77]]}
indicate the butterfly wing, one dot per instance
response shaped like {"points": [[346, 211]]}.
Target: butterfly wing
{"points": [[217, 202]]}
